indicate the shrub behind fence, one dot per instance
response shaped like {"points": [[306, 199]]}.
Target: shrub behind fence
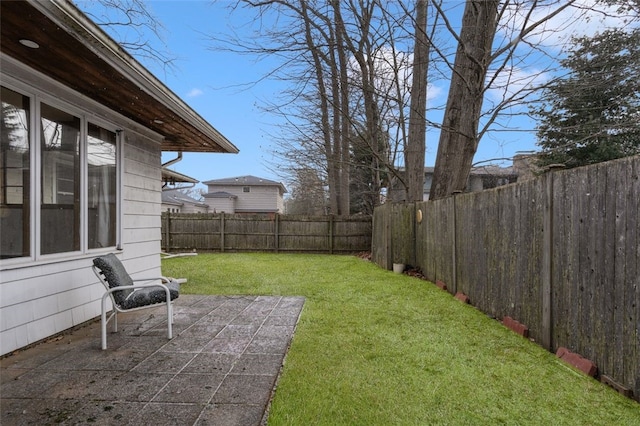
{"points": [[559, 253]]}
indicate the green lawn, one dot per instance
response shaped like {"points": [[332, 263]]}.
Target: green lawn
{"points": [[376, 348]]}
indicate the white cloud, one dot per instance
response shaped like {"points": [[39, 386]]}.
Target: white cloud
{"points": [[512, 81], [580, 19], [194, 93]]}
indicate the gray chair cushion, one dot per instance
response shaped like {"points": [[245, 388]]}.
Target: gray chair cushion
{"points": [[151, 295], [116, 275]]}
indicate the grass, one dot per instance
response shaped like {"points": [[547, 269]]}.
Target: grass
{"points": [[377, 348]]}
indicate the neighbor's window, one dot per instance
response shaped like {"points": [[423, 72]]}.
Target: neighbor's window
{"points": [[101, 161], [60, 184], [246, 189], [15, 224]]}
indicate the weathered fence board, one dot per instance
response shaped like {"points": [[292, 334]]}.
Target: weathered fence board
{"points": [[559, 253], [236, 232], [432, 246], [381, 239]]}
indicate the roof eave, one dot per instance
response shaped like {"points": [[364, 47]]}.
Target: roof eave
{"points": [[76, 23]]}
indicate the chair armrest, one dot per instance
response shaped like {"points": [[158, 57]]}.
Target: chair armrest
{"points": [[163, 279], [134, 287], [136, 304]]}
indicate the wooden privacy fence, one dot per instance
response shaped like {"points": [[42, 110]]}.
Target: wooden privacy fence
{"points": [[559, 253], [272, 233]]}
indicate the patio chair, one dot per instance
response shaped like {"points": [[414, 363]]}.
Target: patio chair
{"points": [[127, 296]]}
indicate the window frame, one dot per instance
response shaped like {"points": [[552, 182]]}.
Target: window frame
{"points": [[31, 122], [36, 97]]}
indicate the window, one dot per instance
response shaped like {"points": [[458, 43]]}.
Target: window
{"points": [[74, 187], [101, 209], [246, 189], [15, 168], [60, 184]]}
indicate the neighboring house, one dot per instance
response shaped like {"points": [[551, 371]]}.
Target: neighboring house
{"points": [[171, 178], [83, 129], [175, 201], [245, 194], [480, 178], [524, 164]]}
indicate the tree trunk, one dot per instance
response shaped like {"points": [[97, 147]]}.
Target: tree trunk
{"points": [[416, 144], [343, 113], [332, 164], [459, 135]]}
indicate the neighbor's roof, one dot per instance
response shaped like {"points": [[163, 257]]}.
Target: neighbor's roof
{"points": [[490, 170], [176, 197], [219, 194], [247, 180], [171, 176], [76, 52]]}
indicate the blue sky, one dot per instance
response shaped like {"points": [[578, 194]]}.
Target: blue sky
{"points": [[209, 81]]}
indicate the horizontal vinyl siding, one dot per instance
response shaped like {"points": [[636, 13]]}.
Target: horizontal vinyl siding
{"points": [[46, 303], [222, 205], [191, 208], [141, 209], [261, 198]]}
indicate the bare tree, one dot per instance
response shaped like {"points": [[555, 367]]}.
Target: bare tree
{"points": [[462, 130], [307, 195], [334, 55], [415, 147], [458, 137], [133, 25]]}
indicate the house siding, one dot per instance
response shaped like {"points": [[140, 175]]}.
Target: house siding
{"points": [[190, 208], [261, 198], [42, 298], [279, 200], [222, 205], [177, 202]]}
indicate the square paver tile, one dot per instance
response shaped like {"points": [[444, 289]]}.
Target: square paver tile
{"points": [[37, 411], [165, 362], [245, 389], [268, 364], [210, 363], [234, 345], [231, 415], [190, 388], [164, 414]]}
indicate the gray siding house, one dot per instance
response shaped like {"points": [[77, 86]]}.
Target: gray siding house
{"points": [[245, 194], [175, 201], [83, 128], [480, 178]]}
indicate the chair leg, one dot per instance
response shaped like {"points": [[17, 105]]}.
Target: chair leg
{"points": [[103, 325], [169, 321]]}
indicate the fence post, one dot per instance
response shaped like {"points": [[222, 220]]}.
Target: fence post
{"points": [[547, 262], [222, 232], [331, 234], [454, 243], [277, 233], [167, 247]]}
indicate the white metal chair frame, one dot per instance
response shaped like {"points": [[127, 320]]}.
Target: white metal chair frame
{"points": [[116, 308]]}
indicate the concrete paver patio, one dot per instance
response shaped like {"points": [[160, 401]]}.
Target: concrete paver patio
{"points": [[220, 368]]}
